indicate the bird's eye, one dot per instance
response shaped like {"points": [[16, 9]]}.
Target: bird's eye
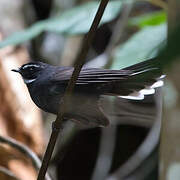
{"points": [[31, 68]]}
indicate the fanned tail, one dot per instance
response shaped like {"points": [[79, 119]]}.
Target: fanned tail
{"points": [[145, 77]]}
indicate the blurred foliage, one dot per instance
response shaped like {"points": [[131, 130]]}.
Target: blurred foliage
{"points": [[171, 51], [145, 42], [74, 21], [142, 45], [149, 19], [171, 95]]}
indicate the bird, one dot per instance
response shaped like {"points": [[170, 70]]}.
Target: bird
{"points": [[47, 84]]}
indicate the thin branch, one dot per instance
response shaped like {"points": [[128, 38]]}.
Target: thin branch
{"points": [[119, 27], [8, 173], [25, 150], [22, 148], [147, 147], [80, 61], [117, 34], [146, 168], [107, 145]]}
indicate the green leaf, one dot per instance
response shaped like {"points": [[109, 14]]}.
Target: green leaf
{"points": [[22, 36], [150, 19], [79, 19], [74, 21], [141, 46]]}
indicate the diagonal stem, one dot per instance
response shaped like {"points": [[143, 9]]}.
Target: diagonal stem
{"points": [[80, 61]]}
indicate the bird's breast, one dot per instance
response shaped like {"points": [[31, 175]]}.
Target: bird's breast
{"points": [[44, 99]]}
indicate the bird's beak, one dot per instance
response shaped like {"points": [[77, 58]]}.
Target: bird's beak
{"points": [[16, 70]]}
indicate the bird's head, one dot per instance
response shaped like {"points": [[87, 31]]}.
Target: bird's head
{"points": [[30, 71]]}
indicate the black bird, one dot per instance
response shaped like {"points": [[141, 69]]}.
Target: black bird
{"points": [[47, 84]]}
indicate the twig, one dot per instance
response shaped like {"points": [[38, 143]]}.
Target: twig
{"points": [[145, 149], [25, 150], [119, 27], [106, 149], [8, 173], [146, 168], [80, 60], [107, 145], [117, 33]]}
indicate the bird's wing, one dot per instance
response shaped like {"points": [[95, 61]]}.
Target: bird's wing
{"points": [[90, 75], [121, 83], [126, 83], [93, 76]]}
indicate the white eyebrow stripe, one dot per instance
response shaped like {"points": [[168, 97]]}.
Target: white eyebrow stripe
{"points": [[30, 65]]}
